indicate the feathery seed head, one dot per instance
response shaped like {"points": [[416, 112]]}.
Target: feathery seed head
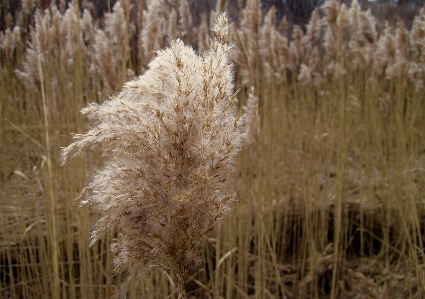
{"points": [[7, 42], [305, 74], [401, 41], [153, 27], [367, 27], [251, 18], [105, 59], [354, 13], [27, 6], [331, 8], [115, 23], [417, 35], [174, 134], [342, 19], [253, 121], [88, 28], [313, 28]]}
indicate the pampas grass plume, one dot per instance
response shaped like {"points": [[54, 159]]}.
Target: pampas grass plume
{"points": [[172, 136], [331, 8], [253, 121], [305, 75], [367, 27], [9, 39], [297, 36], [402, 39], [313, 29], [185, 20], [27, 6], [105, 60], [417, 35], [38, 50], [152, 30], [264, 42], [87, 28]]}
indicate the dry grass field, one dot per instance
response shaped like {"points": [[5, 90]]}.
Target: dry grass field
{"points": [[330, 181]]}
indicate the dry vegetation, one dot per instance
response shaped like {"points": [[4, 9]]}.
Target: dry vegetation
{"points": [[330, 183]]}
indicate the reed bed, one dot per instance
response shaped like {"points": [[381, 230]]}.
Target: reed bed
{"points": [[329, 183]]}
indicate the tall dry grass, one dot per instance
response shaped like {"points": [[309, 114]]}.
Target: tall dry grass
{"points": [[330, 187]]}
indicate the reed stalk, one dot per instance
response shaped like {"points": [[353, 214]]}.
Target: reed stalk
{"points": [[52, 201]]}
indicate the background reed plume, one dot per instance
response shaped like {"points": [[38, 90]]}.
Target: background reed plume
{"points": [[172, 136]]}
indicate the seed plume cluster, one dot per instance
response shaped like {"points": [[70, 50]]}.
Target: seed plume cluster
{"points": [[171, 137]]}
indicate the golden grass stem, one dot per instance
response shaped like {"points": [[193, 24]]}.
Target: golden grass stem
{"points": [[52, 201]]}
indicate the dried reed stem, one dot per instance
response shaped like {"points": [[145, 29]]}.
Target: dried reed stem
{"points": [[53, 237]]}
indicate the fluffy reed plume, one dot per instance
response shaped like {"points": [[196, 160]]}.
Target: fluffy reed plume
{"points": [[297, 36], [385, 52], [367, 27], [172, 136], [246, 42], [354, 15], [362, 36], [342, 21], [399, 68], [115, 25], [266, 32], [8, 20], [57, 32], [9, 40], [152, 30], [251, 18], [185, 21], [305, 74], [105, 60], [354, 45], [329, 44], [38, 48], [286, 57], [72, 34], [417, 36], [401, 42], [275, 53], [252, 116], [27, 6], [116, 41], [88, 31], [331, 8], [314, 27]]}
